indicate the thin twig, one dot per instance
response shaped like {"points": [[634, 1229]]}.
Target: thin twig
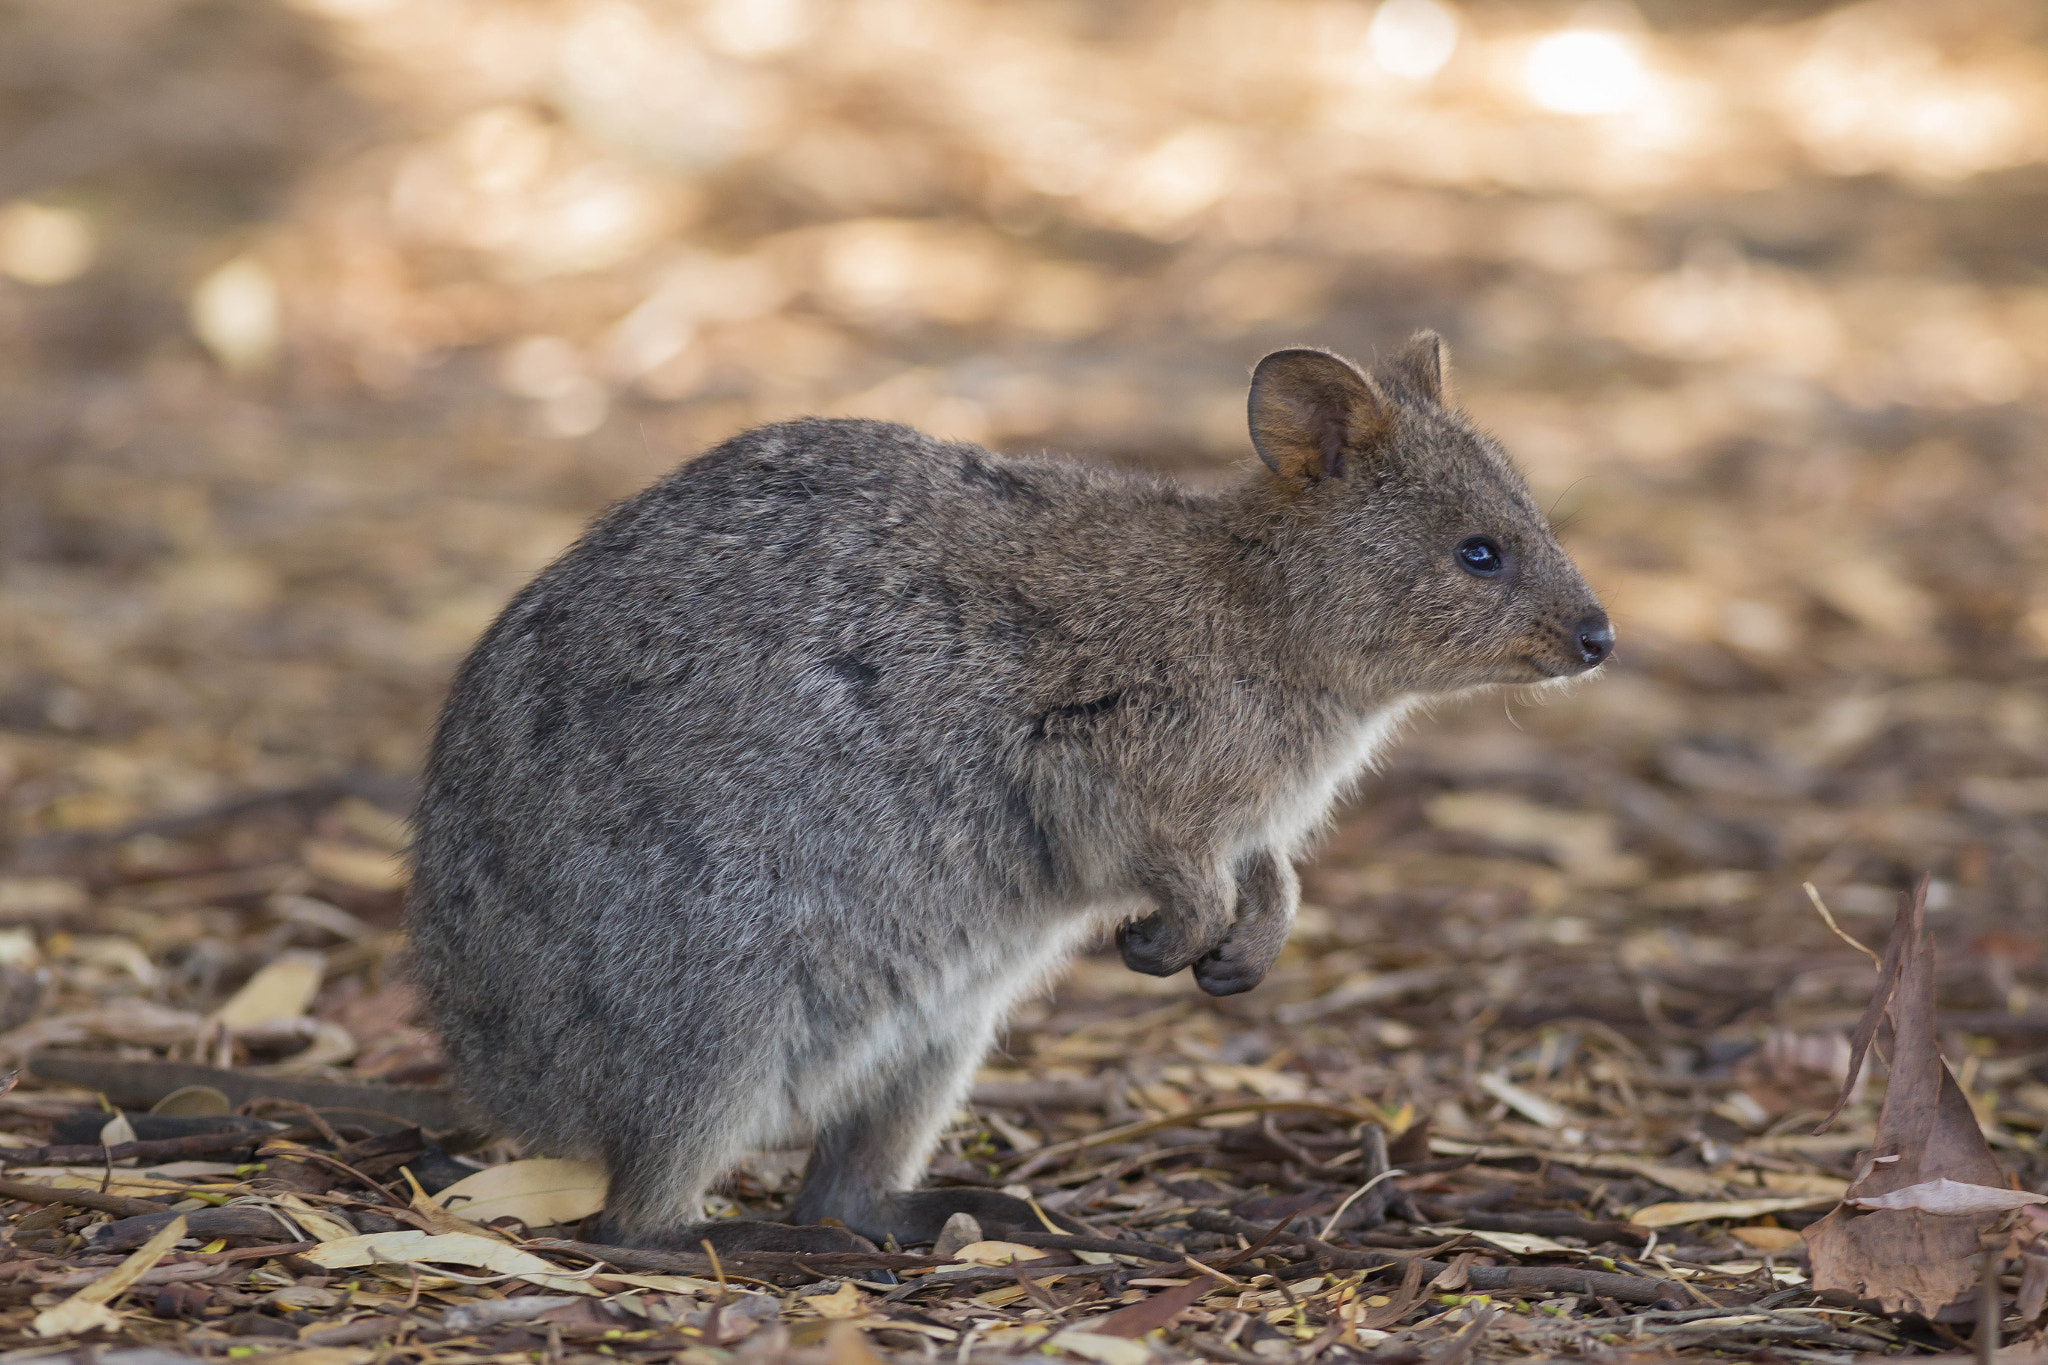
{"points": [[1351, 1198], [1813, 894]]}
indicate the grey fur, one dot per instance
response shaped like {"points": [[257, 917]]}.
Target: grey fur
{"points": [[755, 813]]}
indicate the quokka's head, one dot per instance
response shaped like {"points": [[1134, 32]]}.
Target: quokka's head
{"points": [[1404, 537]]}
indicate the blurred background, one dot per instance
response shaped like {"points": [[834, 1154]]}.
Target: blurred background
{"points": [[324, 324]]}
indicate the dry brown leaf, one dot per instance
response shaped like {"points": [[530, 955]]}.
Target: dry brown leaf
{"points": [[1155, 1310], [1907, 1258]]}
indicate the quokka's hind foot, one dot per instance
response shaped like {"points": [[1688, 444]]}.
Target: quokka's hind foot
{"points": [[736, 1235], [916, 1216]]}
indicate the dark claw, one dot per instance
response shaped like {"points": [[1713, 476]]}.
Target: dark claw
{"points": [[1217, 974], [1145, 945]]}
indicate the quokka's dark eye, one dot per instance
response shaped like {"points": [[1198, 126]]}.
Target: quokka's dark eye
{"points": [[1479, 555]]}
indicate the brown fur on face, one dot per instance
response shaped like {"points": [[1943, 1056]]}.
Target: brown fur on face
{"points": [[754, 813], [1379, 482]]}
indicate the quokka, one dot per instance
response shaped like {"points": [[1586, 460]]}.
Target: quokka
{"points": [[754, 813]]}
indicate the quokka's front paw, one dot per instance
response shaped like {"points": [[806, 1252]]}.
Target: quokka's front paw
{"points": [[1224, 972], [1153, 945]]}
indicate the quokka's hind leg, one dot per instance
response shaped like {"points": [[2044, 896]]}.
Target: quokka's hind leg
{"points": [[657, 1176], [656, 1195], [862, 1162]]}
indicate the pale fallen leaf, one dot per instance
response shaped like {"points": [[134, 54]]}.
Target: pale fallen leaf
{"points": [[1788, 1182], [481, 1313], [128, 1020], [326, 1044], [1671, 1215], [1768, 1239], [1365, 988], [1955, 1197], [538, 1191], [304, 1296], [845, 1302], [365, 869], [373, 823], [996, 1253], [116, 1131], [1101, 1349], [32, 898], [1260, 1080], [147, 1181], [281, 989], [321, 1227], [114, 953], [193, 1101], [451, 1248], [668, 1284], [846, 1346], [87, 1310], [441, 1220], [1534, 1108]]}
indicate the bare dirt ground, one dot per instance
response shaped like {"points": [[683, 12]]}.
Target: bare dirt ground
{"points": [[323, 326]]}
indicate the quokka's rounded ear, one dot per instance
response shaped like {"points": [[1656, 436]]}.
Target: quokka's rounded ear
{"points": [[1424, 363], [1310, 411]]}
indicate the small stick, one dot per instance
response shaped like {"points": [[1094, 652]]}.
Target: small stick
{"points": [[1351, 1198], [1813, 894], [1988, 1306], [119, 1205]]}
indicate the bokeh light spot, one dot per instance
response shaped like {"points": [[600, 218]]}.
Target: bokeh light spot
{"points": [[44, 245], [235, 313], [1585, 71], [1412, 38]]}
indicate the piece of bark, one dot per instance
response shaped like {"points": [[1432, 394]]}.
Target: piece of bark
{"points": [[162, 1149], [234, 1221], [1909, 1259], [141, 1084], [121, 1206]]}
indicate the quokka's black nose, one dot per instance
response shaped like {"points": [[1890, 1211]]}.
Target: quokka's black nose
{"points": [[1594, 639]]}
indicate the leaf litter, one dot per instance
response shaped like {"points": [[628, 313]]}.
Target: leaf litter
{"points": [[1243, 1202]]}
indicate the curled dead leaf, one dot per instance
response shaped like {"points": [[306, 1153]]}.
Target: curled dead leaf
{"points": [[1956, 1198]]}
